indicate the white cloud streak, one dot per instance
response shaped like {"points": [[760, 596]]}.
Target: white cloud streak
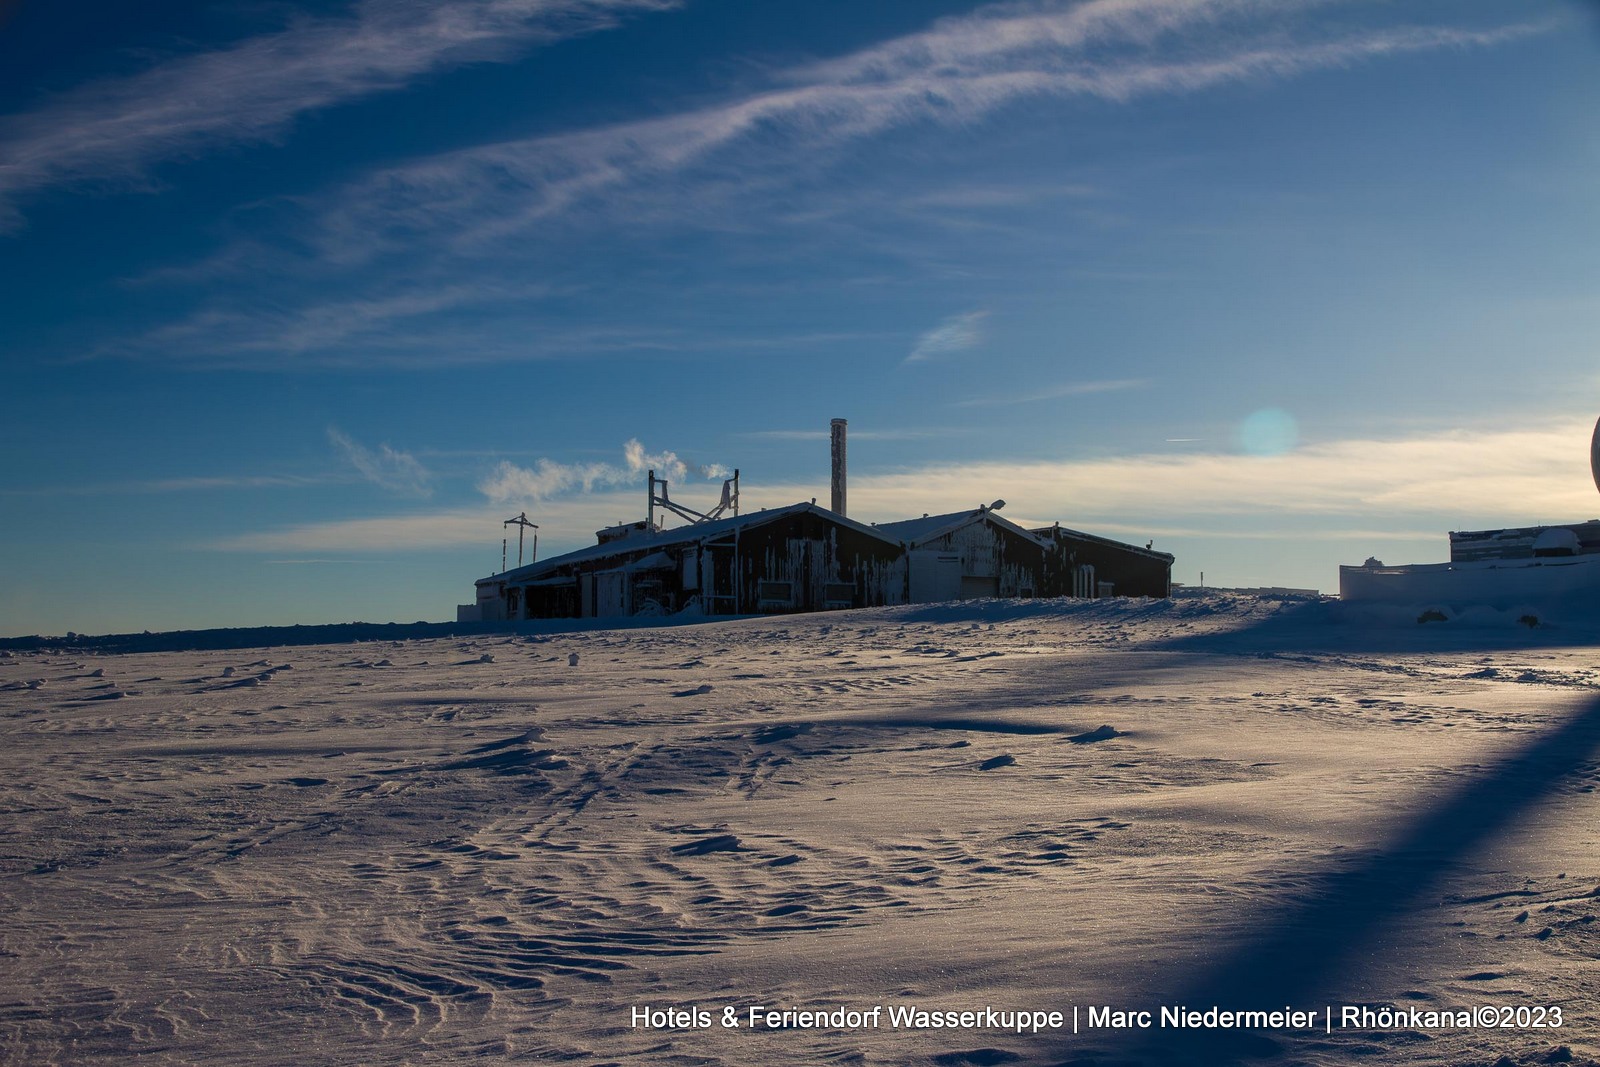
{"points": [[197, 484], [413, 325], [219, 335], [386, 467], [683, 168], [1359, 488], [955, 334], [114, 129], [953, 74], [1472, 477], [1055, 392]]}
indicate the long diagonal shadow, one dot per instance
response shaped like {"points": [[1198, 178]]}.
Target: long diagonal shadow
{"points": [[1304, 949], [1313, 944]]}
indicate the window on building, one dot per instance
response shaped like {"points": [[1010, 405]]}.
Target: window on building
{"points": [[776, 591]]}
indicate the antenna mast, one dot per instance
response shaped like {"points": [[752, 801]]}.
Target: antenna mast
{"points": [[729, 502]]}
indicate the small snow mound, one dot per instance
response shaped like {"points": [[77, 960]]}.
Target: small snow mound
{"points": [[1100, 733], [767, 735], [978, 1057], [717, 843], [1004, 760]]}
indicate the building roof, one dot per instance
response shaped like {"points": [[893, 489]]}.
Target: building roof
{"points": [[914, 532], [678, 535], [1051, 531]]}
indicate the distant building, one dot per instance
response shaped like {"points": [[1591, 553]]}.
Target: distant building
{"points": [[807, 558], [1507, 568], [1489, 568], [1526, 542]]}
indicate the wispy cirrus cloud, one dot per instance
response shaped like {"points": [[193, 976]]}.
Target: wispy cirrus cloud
{"points": [[114, 129], [386, 467], [469, 211], [325, 328], [413, 323], [955, 334], [985, 197], [1055, 392], [951, 75], [193, 484]]}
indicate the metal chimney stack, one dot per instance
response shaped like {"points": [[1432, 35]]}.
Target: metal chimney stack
{"points": [[838, 466]]}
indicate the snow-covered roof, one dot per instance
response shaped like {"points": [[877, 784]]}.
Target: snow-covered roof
{"points": [[916, 531], [678, 535], [1048, 532]]}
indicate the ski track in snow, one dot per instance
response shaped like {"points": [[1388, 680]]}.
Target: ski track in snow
{"points": [[468, 849]]}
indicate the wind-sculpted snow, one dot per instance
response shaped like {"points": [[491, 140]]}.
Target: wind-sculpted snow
{"points": [[480, 849]]}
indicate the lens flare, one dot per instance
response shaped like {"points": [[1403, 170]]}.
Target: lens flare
{"points": [[1268, 432]]}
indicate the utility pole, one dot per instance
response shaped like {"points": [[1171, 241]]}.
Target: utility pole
{"points": [[522, 524]]}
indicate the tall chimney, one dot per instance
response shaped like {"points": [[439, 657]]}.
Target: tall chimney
{"points": [[838, 466]]}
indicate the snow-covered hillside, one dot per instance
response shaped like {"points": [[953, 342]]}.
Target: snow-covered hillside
{"points": [[496, 849]]}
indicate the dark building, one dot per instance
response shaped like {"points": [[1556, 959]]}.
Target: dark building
{"points": [[806, 558], [799, 558], [1098, 566]]}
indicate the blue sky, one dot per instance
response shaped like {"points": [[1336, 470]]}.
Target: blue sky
{"points": [[302, 300]]}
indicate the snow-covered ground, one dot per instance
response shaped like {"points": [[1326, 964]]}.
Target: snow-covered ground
{"points": [[476, 850]]}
